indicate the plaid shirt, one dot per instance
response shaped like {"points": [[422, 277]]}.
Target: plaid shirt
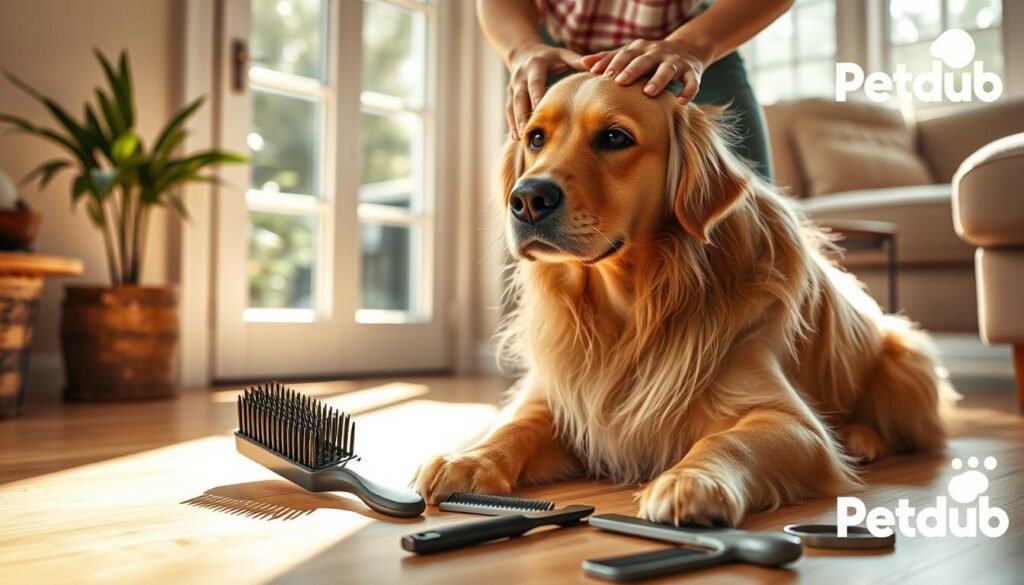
{"points": [[588, 26]]}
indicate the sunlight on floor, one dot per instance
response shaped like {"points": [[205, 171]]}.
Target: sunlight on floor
{"points": [[179, 511], [341, 395]]}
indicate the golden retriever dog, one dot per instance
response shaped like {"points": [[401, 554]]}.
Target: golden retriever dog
{"points": [[678, 323]]}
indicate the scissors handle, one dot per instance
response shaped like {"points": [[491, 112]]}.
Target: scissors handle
{"points": [[656, 563]]}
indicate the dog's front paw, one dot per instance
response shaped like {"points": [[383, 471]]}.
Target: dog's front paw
{"points": [[463, 472], [690, 496]]}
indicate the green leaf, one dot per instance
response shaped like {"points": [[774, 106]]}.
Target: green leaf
{"points": [[21, 123], [112, 115], [23, 86], [122, 96], [124, 147], [186, 170], [178, 206], [68, 145], [95, 209], [74, 129], [46, 171], [212, 157], [164, 149], [175, 123], [126, 84], [79, 134], [93, 125], [80, 187]]}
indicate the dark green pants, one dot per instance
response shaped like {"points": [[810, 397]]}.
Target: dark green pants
{"points": [[724, 83]]}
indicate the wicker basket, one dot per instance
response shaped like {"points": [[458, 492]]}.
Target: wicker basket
{"points": [[119, 342], [19, 301]]}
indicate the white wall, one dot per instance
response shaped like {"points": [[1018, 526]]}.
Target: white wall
{"points": [[49, 43]]}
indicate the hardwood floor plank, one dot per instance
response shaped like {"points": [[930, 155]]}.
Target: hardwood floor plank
{"points": [[155, 492]]}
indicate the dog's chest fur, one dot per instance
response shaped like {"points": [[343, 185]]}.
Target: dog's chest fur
{"points": [[615, 406]]}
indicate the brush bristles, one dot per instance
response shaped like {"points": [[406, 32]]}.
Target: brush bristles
{"points": [[296, 426], [488, 504]]}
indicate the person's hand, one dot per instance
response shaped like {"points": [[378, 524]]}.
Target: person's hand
{"points": [[530, 67], [667, 61]]}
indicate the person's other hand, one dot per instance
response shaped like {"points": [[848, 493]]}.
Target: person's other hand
{"points": [[666, 60], [530, 67]]}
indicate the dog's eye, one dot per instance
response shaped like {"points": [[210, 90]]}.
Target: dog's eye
{"points": [[613, 139], [536, 139]]}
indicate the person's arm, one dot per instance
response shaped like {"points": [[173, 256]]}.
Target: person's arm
{"points": [[688, 50], [512, 28]]}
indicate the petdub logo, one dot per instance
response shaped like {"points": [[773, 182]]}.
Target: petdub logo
{"points": [[955, 48], [939, 520]]}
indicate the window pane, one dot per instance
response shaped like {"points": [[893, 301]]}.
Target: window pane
{"points": [[772, 85], [918, 58], [911, 21], [388, 266], [282, 249], [284, 143], [989, 50], [775, 43], [394, 48], [970, 14], [391, 160], [816, 29], [816, 79], [288, 36]]}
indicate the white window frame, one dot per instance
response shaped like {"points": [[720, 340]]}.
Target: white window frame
{"points": [[420, 217], [796, 59], [337, 343], [321, 205], [944, 25]]}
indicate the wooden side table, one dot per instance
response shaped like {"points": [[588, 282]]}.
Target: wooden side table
{"points": [[21, 284], [864, 235]]}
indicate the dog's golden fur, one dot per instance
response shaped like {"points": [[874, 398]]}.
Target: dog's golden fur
{"points": [[714, 350]]}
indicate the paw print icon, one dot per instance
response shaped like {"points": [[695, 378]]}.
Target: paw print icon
{"points": [[965, 487]]}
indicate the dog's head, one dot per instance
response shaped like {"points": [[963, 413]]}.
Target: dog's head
{"points": [[601, 167]]}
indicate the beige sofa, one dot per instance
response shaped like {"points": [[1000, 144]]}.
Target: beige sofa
{"points": [[988, 212], [901, 172]]}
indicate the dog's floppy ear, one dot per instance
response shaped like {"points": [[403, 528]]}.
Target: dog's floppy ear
{"points": [[510, 168], [708, 179]]}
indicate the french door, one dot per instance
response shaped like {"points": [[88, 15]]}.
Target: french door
{"points": [[330, 255]]}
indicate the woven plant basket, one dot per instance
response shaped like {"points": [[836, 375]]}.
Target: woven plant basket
{"points": [[119, 342], [19, 301]]}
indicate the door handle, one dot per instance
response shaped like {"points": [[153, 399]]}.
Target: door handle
{"points": [[239, 64]]}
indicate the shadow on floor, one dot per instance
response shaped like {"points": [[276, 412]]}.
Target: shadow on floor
{"points": [[276, 499]]}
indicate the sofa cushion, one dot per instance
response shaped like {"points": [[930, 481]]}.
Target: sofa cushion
{"points": [[1000, 280], [782, 116], [947, 137], [988, 199], [923, 218], [839, 156]]}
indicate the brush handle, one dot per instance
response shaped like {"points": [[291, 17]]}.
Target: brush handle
{"points": [[656, 563], [467, 533], [391, 501]]}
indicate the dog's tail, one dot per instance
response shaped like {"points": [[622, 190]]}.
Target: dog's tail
{"points": [[909, 395]]}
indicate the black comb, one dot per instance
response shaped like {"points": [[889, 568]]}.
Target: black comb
{"points": [[312, 445], [489, 505], [515, 516]]}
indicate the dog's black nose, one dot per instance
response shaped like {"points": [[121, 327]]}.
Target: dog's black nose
{"points": [[534, 199]]}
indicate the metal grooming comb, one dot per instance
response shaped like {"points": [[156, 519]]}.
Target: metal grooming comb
{"points": [[313, 446], [516, 516], [489, 505]]}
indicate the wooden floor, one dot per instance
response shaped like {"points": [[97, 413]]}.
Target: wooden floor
{"points": [[155, 493]]}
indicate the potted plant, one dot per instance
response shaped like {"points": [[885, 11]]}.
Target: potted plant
{"points": [[119, 340]]}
